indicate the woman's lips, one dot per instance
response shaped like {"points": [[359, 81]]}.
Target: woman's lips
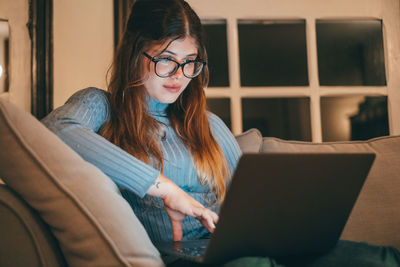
{"points": [[172, 88]]}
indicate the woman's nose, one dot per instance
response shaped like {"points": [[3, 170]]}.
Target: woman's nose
{"points": [[178, 74]]}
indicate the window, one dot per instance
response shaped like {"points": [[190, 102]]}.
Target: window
{"points": [[287, 118], [354, 117], [350, 52], [217, 51], [272, 53], [304, 70]]}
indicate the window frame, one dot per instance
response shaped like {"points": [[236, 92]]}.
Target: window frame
{"points": [[233, 10]]}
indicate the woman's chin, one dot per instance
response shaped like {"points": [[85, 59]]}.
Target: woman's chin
{"points": [[168, 100]]}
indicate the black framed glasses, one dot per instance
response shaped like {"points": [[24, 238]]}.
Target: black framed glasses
{"points": [[166, 67]]}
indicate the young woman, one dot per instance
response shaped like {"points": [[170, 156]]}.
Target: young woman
{"points": [[151, 132]]}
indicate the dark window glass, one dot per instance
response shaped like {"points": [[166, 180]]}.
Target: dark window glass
{"points": [[354, 118], [222, 108], [273, 53], [217, 50], [350, 52], [286, 118]]}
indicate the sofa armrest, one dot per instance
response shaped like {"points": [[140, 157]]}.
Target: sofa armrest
{"points": [[250, 140]]}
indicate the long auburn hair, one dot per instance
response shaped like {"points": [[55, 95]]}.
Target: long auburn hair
{"points": [[131, 127]]}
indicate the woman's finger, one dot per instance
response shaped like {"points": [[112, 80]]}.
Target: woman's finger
{"points": [[214, 217], [176, 230], [207, 220]]}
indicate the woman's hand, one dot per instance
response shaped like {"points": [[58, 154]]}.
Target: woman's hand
{"points": [[178, 204]]}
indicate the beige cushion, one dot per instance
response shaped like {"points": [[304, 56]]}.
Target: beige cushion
{"points": [[250, 140], [25, 239], [94, 225], [376, 215]]}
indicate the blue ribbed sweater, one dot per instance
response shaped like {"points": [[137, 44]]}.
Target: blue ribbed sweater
{"points": [[77, 123]]}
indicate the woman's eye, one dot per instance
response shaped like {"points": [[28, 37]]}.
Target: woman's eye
{"points": [[189, 63], [165, 61]]}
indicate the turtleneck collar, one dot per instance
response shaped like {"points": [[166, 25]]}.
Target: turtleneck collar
{"points": [[157, 108]]}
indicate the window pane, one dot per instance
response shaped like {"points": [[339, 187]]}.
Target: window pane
{"points": [[354, 118], [217, 50], [350, 52], [222, 108], [273, 53], [286, 118]]}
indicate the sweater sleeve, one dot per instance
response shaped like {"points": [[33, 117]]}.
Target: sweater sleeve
{"points": [[226, 140], [77, 123]]}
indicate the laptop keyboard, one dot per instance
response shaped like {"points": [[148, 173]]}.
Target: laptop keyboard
{"points": [[191, 251]]}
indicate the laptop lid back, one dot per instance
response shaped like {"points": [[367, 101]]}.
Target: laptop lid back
{"points": [[283, 204]]}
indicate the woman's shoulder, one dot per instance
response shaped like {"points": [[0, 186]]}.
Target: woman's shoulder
{"points": [[214, 119], [216, 123], [89, 94], [90, 98], [225, 138], [88, 107]]}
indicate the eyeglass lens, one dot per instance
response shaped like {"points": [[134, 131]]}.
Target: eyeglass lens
{"points": [[166, 67]]}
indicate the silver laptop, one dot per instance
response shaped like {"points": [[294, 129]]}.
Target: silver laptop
{"points": [[281, 205]]}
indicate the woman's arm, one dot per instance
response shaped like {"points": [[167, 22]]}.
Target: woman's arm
{"points": [[77, 123], [178, 204]]}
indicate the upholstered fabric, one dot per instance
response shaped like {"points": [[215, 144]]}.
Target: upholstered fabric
{"points": [[375, 217], [250, 140], [23, 232], [93, 224]]}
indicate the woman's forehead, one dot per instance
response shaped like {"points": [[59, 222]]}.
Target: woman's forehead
{"points": [[182, 46]]}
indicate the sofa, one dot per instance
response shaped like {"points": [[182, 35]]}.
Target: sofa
{"points": [[58, 210]]}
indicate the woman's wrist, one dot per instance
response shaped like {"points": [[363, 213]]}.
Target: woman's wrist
{"points": [[161, 187]]}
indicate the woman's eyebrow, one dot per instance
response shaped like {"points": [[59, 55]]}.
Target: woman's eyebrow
{"points": [[174, 54]]}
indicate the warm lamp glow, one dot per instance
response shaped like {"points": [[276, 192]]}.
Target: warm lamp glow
{"points": [[1, 70]]}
